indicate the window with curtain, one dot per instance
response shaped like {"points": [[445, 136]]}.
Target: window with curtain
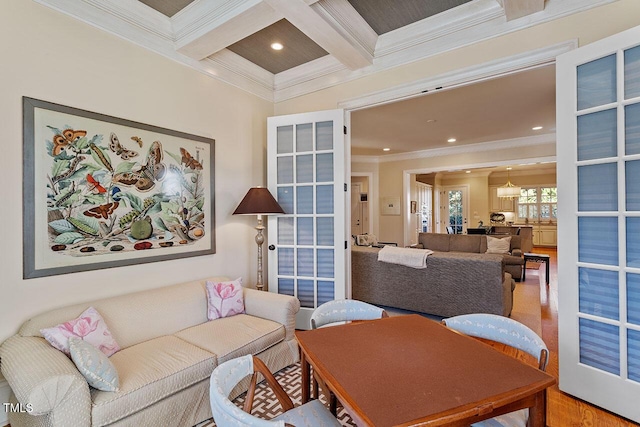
{"points": [[538, 204]]}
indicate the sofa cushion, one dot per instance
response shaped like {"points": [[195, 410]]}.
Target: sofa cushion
{"points": [[224, 298], [435, 241], [496, 245], [94, 365], [149, 372], [235, 336], [465, 243]]}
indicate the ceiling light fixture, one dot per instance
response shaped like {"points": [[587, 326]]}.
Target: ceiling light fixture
{"points": [[536, 128], [509, 190], [386, 149], [276, 46], [451, 140], [467, 171]]}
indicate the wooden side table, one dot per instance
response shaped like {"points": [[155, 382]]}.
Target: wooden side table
{"points": [[542, 258]]}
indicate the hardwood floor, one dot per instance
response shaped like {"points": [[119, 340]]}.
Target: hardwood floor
{"points": [[562, 409]]}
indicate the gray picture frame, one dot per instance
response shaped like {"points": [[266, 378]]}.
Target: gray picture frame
{"points": [[86, 185]]}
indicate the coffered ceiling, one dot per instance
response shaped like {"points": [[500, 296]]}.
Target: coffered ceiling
{"points": [[325, 42]]}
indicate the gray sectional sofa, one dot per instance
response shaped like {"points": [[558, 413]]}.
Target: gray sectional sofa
{"points": [[453, 283], [168, 351]]}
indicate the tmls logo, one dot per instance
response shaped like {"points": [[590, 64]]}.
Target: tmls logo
{"points": [[18, 407]]}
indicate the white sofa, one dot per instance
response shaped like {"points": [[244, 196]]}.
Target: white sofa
{"points": [[168, 351]]}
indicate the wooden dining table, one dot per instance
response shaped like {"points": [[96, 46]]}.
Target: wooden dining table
{"points": [[413, 371]]}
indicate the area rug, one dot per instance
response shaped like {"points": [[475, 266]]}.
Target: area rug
{"points": [[266, 406]]}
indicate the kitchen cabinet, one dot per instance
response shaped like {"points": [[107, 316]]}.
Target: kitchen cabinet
{"points": [[499, 204], [545, 235]]}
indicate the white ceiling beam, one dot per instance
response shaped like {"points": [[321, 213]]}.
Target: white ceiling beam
{"points": [[515, 9], [208, 26], [329, 35]]}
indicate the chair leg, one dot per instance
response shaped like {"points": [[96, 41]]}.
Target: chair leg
{"points": [[333, 404], [315, 393]]}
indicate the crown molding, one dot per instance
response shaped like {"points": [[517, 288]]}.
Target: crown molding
{"points": [[549, 138], [139, 24]]}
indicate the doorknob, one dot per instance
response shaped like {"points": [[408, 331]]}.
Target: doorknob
{"points": [[272, 248]]}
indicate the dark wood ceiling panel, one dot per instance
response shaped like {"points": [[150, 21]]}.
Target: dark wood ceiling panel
{"points": [[385, 15], [298, 48], [167, 7]]}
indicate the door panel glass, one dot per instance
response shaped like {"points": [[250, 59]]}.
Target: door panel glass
{"points": [[325, 263], [324, 136], [597, 82], [598, 240], [597, 135], [305, 293], [325, 291], [304, 168], [632, 187], [285, 261], [285, 286], [305, 262], [305, 231], [598, 187], [304, 137], [598, 293], [324, 167], [325, 199], [285, 139], [633, 354], [633, 242], [600, 345], [325, 231], [633, 299], [632, 129], [285, 199], [285, 170], [632, 72], [285, 230], [304, 203]]}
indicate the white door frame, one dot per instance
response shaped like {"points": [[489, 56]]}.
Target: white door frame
{"points": [[370, 198]]}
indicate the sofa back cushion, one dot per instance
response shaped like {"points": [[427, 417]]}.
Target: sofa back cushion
{"points": [[465, 243], [139, 316], [434, 241]]}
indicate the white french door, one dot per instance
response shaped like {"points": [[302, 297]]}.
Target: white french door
{"points": [[598, 146], [454, 207], [306, 172]]}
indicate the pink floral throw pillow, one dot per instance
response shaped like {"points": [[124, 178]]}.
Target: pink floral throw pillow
{"points": [[90, 327], [224, 299]]}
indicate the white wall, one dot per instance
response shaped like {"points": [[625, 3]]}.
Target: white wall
{"points": [[49, 56]]}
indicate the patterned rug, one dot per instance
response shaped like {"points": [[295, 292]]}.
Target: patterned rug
{"points": [[266, 406]]}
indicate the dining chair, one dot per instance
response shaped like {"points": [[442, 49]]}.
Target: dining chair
{"points": [[341, 310], [226, 414], [509, 332]]}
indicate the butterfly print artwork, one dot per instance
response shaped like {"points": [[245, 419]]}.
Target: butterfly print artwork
{"points": [[94, 185], [117, 148], [144, 178], [138, 140], [66, 138], [189, 161], [102, 211]]}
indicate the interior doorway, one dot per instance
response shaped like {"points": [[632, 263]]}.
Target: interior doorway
{"points": [[360, 205], [454, 209]]}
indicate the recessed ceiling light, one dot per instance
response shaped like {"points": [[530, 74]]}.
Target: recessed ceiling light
{"points": [[536, 128], [276, 46], [431, 121], [386, 149], [451, 140], [467, 171]]}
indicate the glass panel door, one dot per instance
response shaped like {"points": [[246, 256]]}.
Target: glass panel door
{"points": [[598, 117], [305, 167]]}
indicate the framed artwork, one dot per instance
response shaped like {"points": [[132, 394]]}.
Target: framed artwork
{"points": [[101, 191], [414, 206], [390, 206]]}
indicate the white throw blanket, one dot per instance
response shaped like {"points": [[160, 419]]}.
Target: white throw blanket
{"points": [[415, 258]]}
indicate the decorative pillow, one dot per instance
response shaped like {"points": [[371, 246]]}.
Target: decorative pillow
{"points": [[224, 299], [498, 246], [366, 240], [94, 365], [90, 326]]}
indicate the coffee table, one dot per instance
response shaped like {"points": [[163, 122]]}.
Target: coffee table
{"points": [[410, 370], [541, 258]]}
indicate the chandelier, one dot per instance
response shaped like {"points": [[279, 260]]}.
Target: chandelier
{"points": [[509, 190]]}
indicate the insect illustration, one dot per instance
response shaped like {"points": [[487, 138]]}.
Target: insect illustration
{"points": [[189, 161], [102, 211], [138, 140], [117, 148], [66, 138], [94, 185], [144, 178]]}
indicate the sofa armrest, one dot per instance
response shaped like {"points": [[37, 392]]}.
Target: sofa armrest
{"points": [[272, 306], [44, 378], [516, 252]]}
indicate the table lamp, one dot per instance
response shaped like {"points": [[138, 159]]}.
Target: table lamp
{"points": [[259, 201]]}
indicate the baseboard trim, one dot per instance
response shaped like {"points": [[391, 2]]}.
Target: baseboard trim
{"points": [[5, 392]]}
